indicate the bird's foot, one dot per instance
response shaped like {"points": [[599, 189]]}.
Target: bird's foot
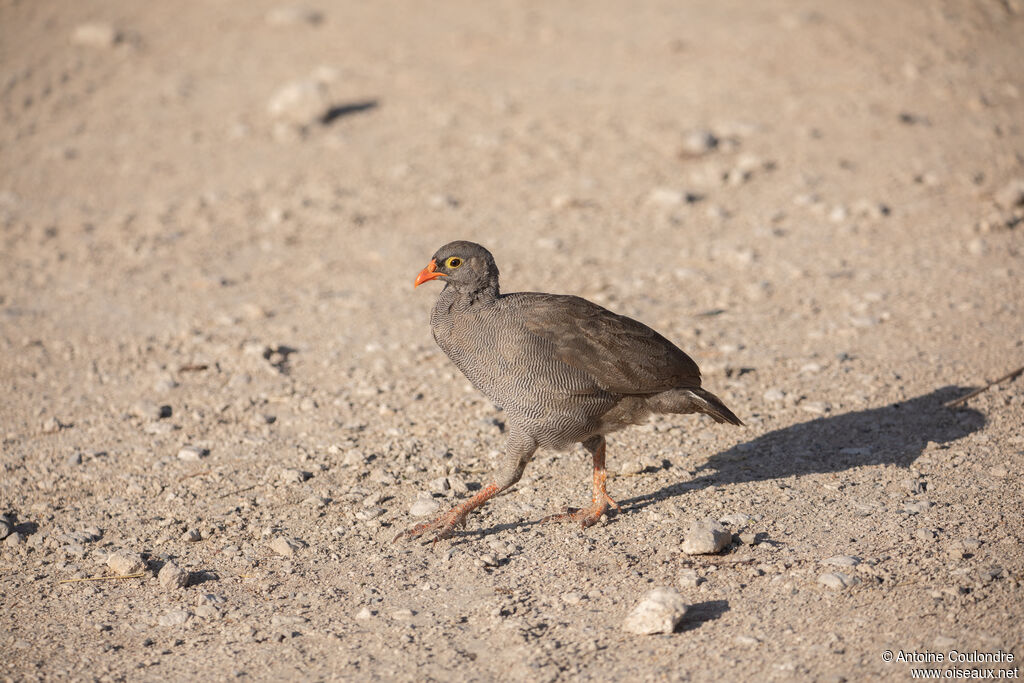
{"points": [[435, 530], [588, 516]]}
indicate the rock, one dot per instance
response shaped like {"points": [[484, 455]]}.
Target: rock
{"points": [[191, 453], [73, 459], [439, 485], [403, 614], [300, 103], [176, 617], [837, 580], [706, 537], [815, 407], [698, 142], [914, 485], [172, 576], [838, 214], [95, 34], [917, 507], [748, 538], [150, 410], [192, 536], [373, 500], [773, 395], [572, 598], [287, 546], [925, 534], [15, 539], [737, 519], [487, 560], [842, 561], [660, 611], [293, 15], [424, 506], [631, 467], [364, 613], [458, 484], [667, 197], [208, 612], [294, 476], [689, 578], [6, 526], [124, 563], [368, 514], [1012, 194]]}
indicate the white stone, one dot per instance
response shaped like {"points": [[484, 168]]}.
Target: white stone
{"points": [[660, 611]]}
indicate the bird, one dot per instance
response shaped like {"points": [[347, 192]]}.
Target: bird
{"points": [[563, 369]]}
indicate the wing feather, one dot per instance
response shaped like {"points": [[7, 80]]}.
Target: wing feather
{"points": [[623, 356]]}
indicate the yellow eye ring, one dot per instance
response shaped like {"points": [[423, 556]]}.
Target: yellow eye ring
{"points": [[453, 262]]}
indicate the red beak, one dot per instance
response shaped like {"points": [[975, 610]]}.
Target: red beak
{"points": [[428, 273]]}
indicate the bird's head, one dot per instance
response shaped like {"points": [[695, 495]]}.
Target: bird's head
{"points": [[463, 265]]}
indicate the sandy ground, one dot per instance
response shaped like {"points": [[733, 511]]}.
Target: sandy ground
{"points": [[212, 213]]}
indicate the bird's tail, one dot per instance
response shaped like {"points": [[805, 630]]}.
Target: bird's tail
{"points": [[693, 401]]}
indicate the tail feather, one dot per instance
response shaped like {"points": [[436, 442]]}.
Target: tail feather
{"points": [[693, 401]]}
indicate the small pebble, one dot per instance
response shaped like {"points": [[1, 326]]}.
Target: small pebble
{"points": [[286, 547], [487, 560], [837, 580], [748, 538], [689, 578], [124, 563], [176, 617], [572, 598], [631, 467], [439, 485], [293, 15], [294, 476], [698, 142], [773, 395], [842, 561], [73, 459], [660, 611], [424, 506], [172, 576], [737, 519], [191, 453], [192, 536], [403, 614], [300, 103], [15, 539], [95, 34], [1011, 195], [706, 537], [6, 526], [364, 613]]}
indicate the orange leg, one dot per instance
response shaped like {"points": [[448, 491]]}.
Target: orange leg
{"points": [[600, 501], [443, 526]]}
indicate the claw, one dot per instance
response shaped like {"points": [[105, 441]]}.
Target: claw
{"points": [[588, 516]]}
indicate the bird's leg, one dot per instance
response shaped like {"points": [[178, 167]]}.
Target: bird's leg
{"points": [[446, 523], [600, 501], [518, 451]]}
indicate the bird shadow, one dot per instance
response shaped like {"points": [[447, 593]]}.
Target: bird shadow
{"points": [[340, 110], [895, 434]]}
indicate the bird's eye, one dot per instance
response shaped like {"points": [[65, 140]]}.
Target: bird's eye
{"points": [[453, 262]]}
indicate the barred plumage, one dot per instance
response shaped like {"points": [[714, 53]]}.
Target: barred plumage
{"points": [[563, 369]]}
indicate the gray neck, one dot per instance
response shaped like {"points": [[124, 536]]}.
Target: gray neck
{"points": [[464, 297]]}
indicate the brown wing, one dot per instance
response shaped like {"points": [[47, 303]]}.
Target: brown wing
{"points": [[622, 355]]}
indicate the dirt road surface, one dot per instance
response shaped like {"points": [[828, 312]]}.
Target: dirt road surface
{"points": [[212, 357]]}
